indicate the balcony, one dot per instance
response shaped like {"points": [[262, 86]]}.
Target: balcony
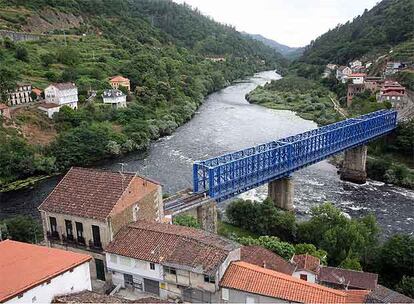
{"points": [[95, 246], [53, 236]]}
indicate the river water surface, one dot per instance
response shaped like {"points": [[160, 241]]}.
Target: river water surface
{"points": [[227, 122]]}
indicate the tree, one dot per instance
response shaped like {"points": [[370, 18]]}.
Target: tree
{"points": [[67, 55], [187, 221], [272, 243], [21, 53], [396, 258], [47, 59], [406, 286], [22, 228], [351, 263], [8, 79]]}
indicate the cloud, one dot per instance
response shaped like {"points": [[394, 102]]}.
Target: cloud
{"points": [[292, 22]]}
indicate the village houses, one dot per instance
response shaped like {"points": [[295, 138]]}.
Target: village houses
{"points": [[393, 92], [170, 261], [115, 98], [36, 274], [120, 81], [58, 95], [21, 95], [88, 207], [342, 73]]}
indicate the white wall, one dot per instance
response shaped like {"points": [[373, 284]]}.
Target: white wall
{"points": [[311, 275], [121, 265], [68, 282]]}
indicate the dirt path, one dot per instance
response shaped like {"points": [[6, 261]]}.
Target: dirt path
{"points": [[338, 108]]}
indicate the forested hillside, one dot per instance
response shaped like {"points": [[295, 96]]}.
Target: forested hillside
{"points": [[388, 24], [86, 41]]}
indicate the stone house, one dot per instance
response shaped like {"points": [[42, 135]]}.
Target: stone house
{"points": [[4, 111], [119, 81], [247, 283], [394, 93], [115, 98], [170, 261], [36, 274], [88, 207], [62, 94], [307, 267], [21, 95]]}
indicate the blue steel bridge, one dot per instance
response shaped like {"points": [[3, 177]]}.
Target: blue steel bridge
{"points": [[228, 175]]}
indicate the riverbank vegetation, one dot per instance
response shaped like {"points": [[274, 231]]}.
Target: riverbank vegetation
{"points": [[169, 64], [308, 98], [329, 235]]}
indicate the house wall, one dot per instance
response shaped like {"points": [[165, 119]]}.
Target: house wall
{"points": [[87, 234], [237, 296], [21, 95], [62, 97], [192, 279], [49, 111], [68, 282], [138, 268], [131, 207], [311, 275], [233, 256]]}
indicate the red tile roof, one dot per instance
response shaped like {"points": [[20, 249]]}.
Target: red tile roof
{"points": [[307, 262], [356, 296], [92, 193], [358, 75], [172, 245], [350, 278], [254, 279], [392, 93], [94, 297], [37, 91], [265, 258], [24, 266], [118, 79]]}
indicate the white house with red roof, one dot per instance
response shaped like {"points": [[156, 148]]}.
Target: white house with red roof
{"points": [[36, 274], [357, 78]]}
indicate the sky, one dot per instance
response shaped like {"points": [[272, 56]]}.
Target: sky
{"points": [[291, 22]]}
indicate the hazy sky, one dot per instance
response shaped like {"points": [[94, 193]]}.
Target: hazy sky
{"points": [[291, 22]]}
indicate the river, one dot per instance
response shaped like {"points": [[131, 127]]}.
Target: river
{"points": [[227, 122]]}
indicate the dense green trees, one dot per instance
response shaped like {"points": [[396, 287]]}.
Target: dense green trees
{"points": [[387, 24], [331, 236], [21, 228], [262, 218]]}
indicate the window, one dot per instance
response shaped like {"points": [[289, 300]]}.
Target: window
{"points": [[79, 233], [170, 270], [304, 277], [210, 279], [152, 266], [69, 229], [53, 224], [96, 236]]}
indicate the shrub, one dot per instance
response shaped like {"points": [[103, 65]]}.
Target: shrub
{"points": [[186, 220]]}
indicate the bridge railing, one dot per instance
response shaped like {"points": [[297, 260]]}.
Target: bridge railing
{"points": [[233, 173]]}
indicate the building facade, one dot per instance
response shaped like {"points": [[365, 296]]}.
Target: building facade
{"points": [[342, 73], [88, 207], [169, 261], [62, 94], [21, 95], [120, 81], [36, 274], [115, 98], [4, 111]]}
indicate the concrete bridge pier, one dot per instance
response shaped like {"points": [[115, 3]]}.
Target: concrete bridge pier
{"points": [[354, 165], [281, 193], [207, 216]]}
